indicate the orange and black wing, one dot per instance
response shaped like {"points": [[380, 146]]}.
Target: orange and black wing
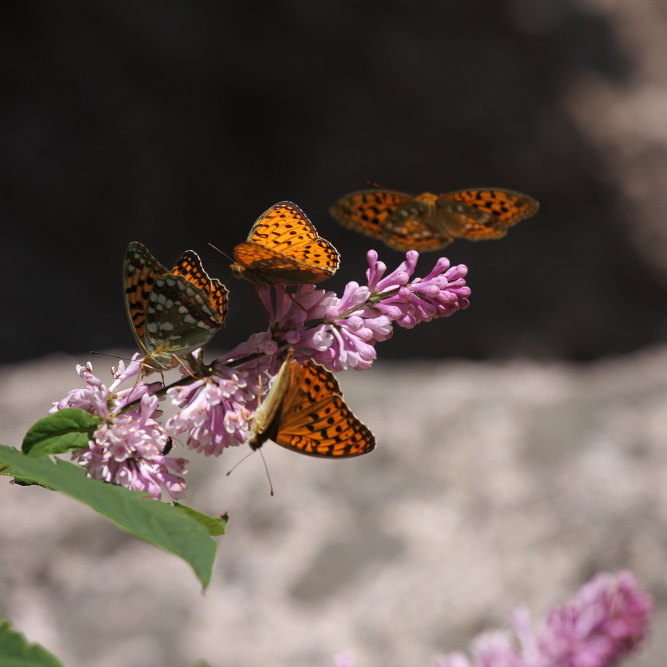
{"points": [[140, 271], [284, 247], [314, 419], [367, 210], [189, 265], [480, 214]]}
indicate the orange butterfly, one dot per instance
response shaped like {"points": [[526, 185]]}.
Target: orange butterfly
{"points": [[284, 247], [171, 311], [428, 221], [304, 411]]}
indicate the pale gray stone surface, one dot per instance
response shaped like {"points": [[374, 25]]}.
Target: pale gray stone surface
{"points": [[493, 485], [623, 120]]}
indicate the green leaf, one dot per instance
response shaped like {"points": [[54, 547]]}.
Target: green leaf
{"points": [[161, 524], [16, 652], [63, 431], [215, 525]]}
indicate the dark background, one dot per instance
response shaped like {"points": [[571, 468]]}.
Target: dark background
{"points": [[178, 123]]}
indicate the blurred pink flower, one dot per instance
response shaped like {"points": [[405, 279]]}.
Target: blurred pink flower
{"points": [[607, 620], [491, 649], [344, 659]]}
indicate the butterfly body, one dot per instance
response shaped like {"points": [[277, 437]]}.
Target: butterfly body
{"points": [[171, 312], [284, 247], [432, 221], [304, 411]]}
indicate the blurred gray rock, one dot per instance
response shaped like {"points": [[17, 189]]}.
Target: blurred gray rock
{"points": [[625, 122], [493, 486]]}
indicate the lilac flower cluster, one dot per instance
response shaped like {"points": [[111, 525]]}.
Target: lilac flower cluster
{"points": [[127, 448], [215, 411], [607, 621], [341, 333], [215, 403]]}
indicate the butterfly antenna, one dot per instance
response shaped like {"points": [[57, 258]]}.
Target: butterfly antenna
{"points": [[238, 463], [266, 468], [373, 184], [222, 252], [104, 354]]}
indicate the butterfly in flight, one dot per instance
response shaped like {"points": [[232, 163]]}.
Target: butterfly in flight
{"points": [[171, 311], [284, 247], [304, 411], [429, 222]]}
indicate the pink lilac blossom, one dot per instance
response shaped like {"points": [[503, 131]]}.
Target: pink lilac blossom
{"points": [[607, 620], [309, 321], [494, 649], [99, 400], [127, 448], [491, 649], [289, 312], [256, 355], [128, 452], [344, 659], [215, 411], [439, 294], [341, 333]]}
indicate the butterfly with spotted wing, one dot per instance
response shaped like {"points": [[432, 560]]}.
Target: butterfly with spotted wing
{"points": [[304, 411], [430, 222], [171, 312], [284, 247]]}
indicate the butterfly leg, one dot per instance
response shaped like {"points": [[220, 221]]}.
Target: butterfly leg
{"points": [[186, 368], [291, 296]]}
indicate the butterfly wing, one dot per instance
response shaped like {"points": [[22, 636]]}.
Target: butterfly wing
{"points": [[265, 420], [283, 246], [367, 210], [410, 227], [282, 226], [140, 270], [179, 317], [265, 266], [169, 315], [314, 419], [429, 222], [399, 219], [482, 213], [189, 266]]}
